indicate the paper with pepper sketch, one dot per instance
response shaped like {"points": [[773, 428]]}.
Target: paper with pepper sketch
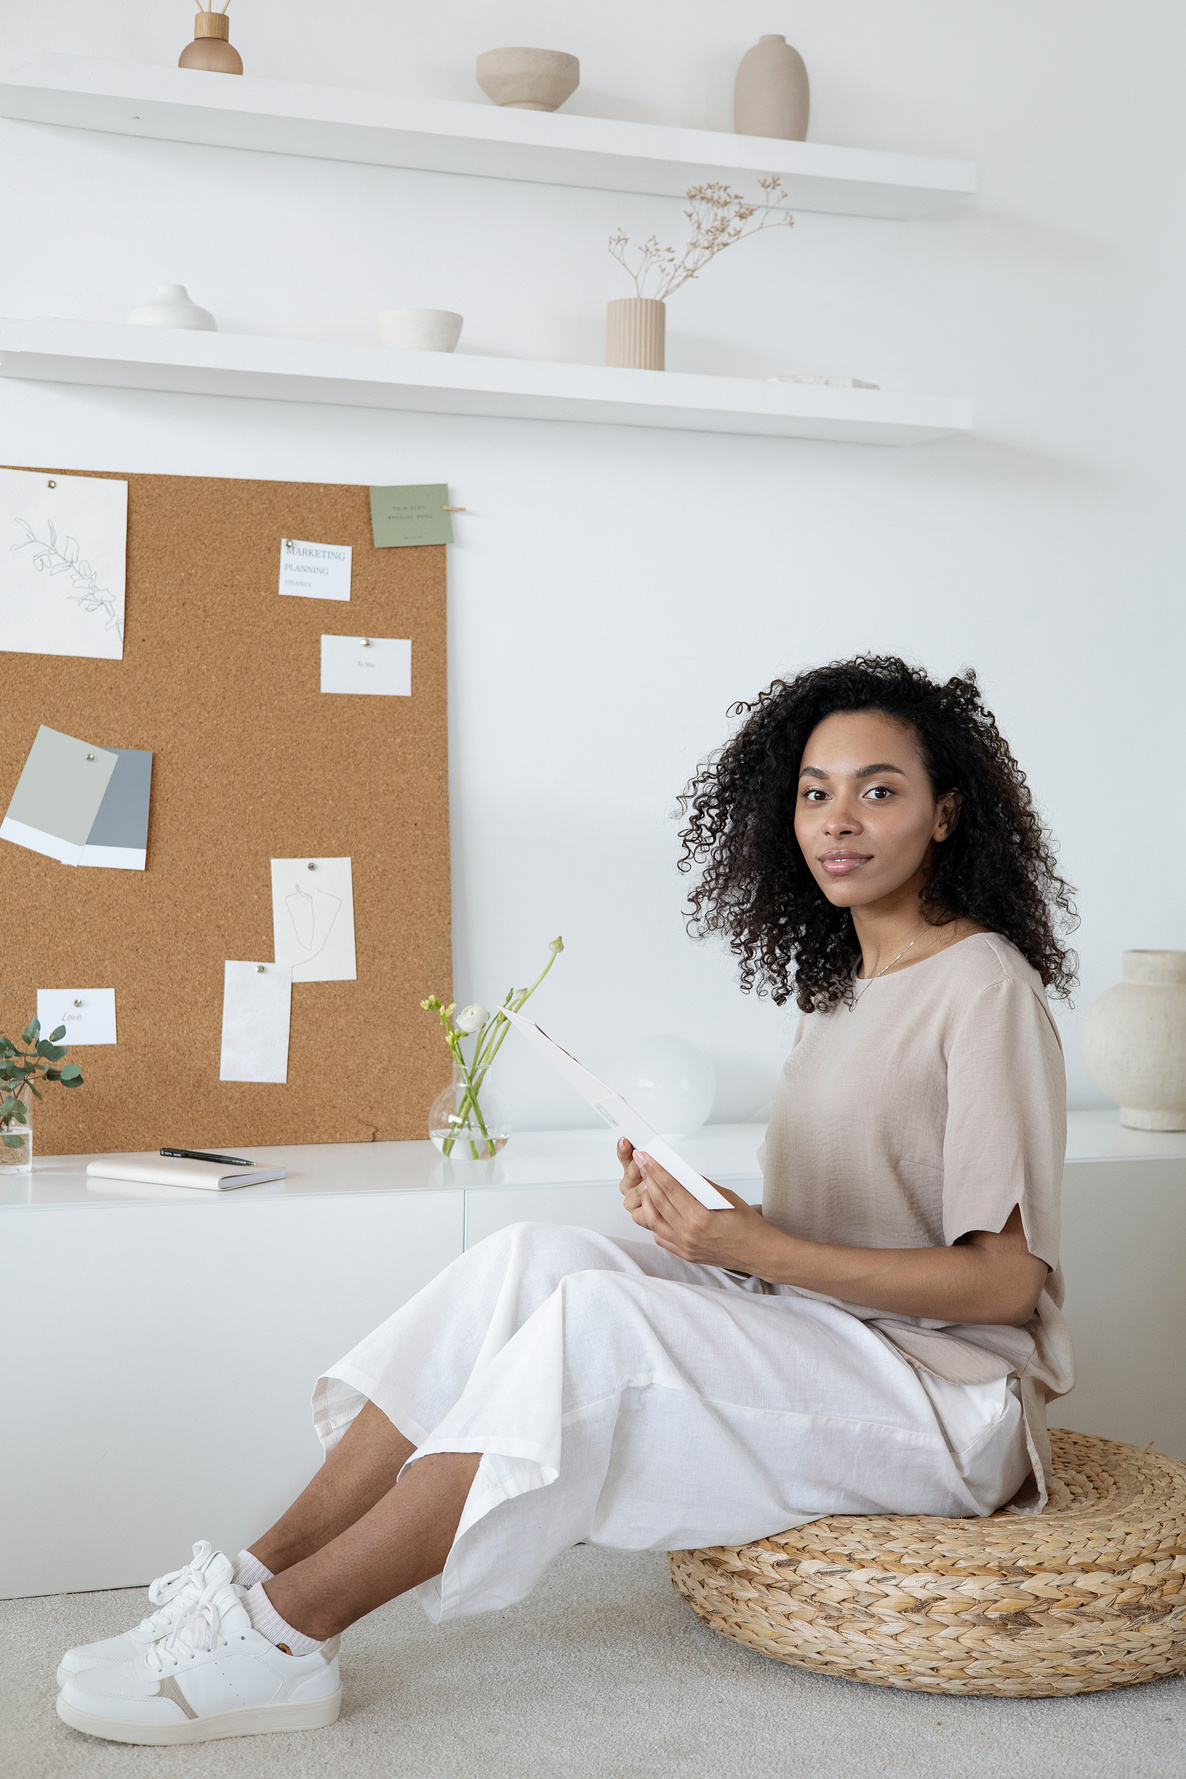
{"points": [[313, 918], [63, 553]]}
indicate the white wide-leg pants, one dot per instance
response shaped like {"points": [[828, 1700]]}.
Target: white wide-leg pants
{"points": [[624, 1397]]}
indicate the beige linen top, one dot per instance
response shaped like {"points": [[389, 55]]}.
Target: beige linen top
{"points": [[929, 1108]]}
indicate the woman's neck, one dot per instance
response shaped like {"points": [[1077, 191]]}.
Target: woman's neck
{"points": [[895, 937]]}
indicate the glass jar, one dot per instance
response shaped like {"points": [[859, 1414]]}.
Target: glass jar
{"points": [[465, 1131], [16, 1137]]}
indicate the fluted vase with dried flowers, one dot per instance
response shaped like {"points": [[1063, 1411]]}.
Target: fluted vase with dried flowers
{"points": [[635, 327]]}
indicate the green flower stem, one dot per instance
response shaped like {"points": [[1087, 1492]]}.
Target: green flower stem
{"points": [[489, 1042]]}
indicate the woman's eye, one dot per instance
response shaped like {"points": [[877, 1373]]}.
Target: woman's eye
{"points": [[879, 791], [813, 794]]}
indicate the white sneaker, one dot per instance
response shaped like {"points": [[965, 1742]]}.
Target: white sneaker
{"points": [[173, 1594], [213, 1675]]}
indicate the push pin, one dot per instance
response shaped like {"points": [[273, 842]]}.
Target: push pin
{"points": [[365, 642], [78, 1003], [90, 756], [259, 969], [309, 866], [51, 484]]}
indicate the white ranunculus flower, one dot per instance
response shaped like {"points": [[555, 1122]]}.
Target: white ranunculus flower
{"points": [[471, 1019]]}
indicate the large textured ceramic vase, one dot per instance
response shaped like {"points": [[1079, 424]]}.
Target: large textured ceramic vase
{"points": [[1134, 1041], [771, 95], [211, 48], [635, 333]]}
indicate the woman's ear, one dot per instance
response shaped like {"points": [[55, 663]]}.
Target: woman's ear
{"points": [[947, 815]]}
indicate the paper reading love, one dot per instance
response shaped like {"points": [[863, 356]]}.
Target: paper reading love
{"points": [[621, 1118]]}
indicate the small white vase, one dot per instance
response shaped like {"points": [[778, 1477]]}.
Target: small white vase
{"points": [[1134, 1041], [771, 95], [420, 330], [528, 79], [172, 307], [635, 333]]}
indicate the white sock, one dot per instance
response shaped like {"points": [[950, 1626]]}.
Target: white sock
{"points": [[249, 1570], [268, 1622]]}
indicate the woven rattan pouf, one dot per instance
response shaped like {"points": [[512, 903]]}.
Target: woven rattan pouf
{"points": [[1087, 1595]]}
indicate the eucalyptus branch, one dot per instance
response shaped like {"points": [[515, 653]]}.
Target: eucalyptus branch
{"points": [[49, 558], [20, 1069], [720, 217]]}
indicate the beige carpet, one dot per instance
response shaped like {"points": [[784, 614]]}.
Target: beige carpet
{"points": [[602, 1674]]}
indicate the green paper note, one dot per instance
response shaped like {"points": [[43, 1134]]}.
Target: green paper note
{"points": [[401, 516]]}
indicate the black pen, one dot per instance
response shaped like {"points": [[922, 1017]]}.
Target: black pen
{"points": [[204, 1155]]}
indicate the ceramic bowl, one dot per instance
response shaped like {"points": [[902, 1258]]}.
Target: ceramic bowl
{"points": [[420, 330], [528, 79], [172, 306]]}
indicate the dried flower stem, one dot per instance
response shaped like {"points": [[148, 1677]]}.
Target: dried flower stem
{"points": [[719, 217]]}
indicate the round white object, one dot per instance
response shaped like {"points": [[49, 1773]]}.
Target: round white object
{"points": [[173, 307], [420, 330], [1134, 1041], [528, 79], [668, 1081]]}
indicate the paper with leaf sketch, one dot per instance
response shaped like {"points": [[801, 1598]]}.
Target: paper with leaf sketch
{"points": [[256, 1009], [313, 918], [63, 554], [314, 571], [118, 840], [378, 666], [58, 796], [88, 1014], [620, 1117]]}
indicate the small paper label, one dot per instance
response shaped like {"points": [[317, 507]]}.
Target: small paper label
{"points": [[413, 515], [314, 571], [376, 665], [88, 1014]]}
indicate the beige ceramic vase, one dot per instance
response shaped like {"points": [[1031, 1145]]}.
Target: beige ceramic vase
{"points": [[771, 95], [211, 48], [1134, 1041], [635, 333], [528, 79]]}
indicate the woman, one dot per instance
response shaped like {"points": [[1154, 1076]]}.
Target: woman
{"points": [[881, 1335]]}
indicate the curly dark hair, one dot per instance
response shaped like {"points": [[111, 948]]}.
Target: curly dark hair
{"points": [[755, 888]]}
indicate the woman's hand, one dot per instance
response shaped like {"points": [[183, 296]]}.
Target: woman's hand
{"points": [[681, 1224], [630, 1185]]}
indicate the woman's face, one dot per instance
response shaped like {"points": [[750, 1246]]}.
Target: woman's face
{"points": [[866, 817]]}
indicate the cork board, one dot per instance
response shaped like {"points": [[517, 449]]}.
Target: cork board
{"points": [[251, 761]]}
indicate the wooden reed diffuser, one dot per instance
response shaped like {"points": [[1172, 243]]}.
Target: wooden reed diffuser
{"points": [[211, 48]]}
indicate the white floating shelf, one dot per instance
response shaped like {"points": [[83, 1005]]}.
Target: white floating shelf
{"points": [[116, 356], [442, 135]]}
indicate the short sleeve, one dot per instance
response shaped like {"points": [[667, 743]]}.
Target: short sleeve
{"points": [[1006, 1132]]}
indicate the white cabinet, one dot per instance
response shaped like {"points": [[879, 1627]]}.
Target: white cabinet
{"points": [[157, 1362]]}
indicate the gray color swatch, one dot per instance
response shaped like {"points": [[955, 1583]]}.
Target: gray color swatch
{"points": [[122, 819], [62, 786]]}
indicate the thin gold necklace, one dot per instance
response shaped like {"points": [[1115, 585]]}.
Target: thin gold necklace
{"points": [[901, 954]]}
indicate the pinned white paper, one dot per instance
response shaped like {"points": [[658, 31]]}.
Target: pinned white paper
{"points": [[256, 1008], [88, 1014], [314, 571], [313, 918], [63, 554], [378, 665]]}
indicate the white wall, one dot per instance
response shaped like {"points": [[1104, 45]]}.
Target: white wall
{"points": [[612, 591]]}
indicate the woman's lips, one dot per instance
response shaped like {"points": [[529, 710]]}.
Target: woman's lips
{"points": [[841, 864]]}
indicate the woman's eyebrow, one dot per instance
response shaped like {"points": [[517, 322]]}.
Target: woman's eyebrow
{"points": [[861, 772]]}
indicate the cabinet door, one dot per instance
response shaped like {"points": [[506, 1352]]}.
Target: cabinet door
{"points": [[589, 1207], [157, 1362]]}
